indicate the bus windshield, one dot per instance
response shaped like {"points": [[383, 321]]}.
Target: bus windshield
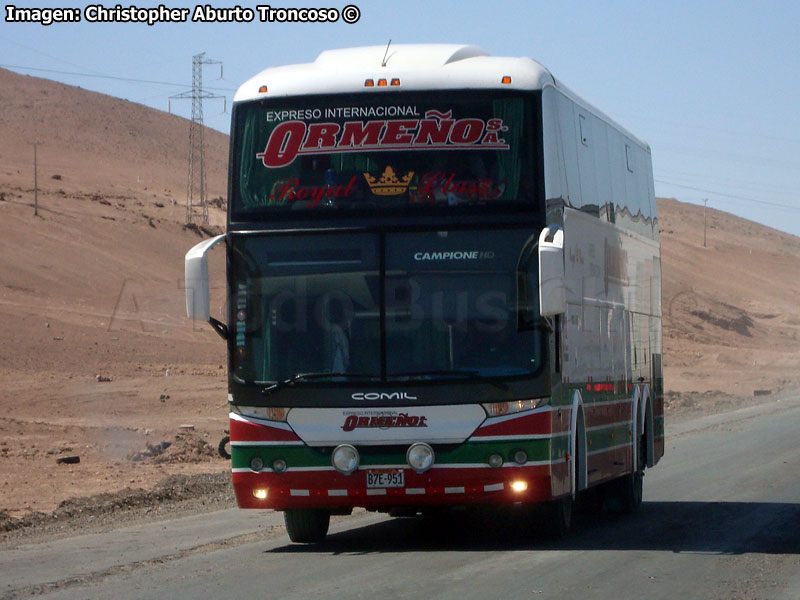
{"points": [[400, 306], [379, 152]]}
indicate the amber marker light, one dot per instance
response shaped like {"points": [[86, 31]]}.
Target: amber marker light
{"points": [[381, 83], [262, 89], [519, 486], [395, 81], [260, 493], [506, 79], [369, 83]]}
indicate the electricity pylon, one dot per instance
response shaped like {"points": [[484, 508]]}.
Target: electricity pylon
{"points": [[196, 190]]}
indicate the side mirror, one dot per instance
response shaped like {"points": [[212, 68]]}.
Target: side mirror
{"points": [[552, 295], [197, 290]]}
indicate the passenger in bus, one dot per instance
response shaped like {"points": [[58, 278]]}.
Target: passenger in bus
{"points": [[337, 340]]}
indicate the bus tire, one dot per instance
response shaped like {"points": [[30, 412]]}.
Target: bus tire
{"points": [[624, 496], [223, 447], [556, 518], [307, 525]]}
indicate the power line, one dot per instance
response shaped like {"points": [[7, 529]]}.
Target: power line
{"points": [[707, 191], [169, 83], [730, 183]]}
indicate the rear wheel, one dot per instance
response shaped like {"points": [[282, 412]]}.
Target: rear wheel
{"points": [[624, 495], [307, 525]]}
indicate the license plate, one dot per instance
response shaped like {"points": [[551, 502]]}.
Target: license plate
{"points": [[386, 478]]}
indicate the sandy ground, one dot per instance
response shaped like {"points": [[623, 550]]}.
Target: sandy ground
{"points": [[97, 359]]}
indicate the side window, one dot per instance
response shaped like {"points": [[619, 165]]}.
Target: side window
{"points": [[587, 148], [555, 184], [569, 135]]}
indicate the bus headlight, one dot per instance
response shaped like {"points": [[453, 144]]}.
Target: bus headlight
{"points": [[420, 457], [345, 459], [495, 461], [498, 409], [267, 413]]}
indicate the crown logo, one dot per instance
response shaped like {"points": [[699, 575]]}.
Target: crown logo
{"points": [[388, 184]]}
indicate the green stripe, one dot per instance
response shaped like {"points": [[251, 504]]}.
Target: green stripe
{"points": [[471, 452], [602, 439], [562, 394]]}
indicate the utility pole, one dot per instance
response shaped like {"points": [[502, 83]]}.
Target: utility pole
{"points": [[196, 189], [35, 180], [705, 203]]}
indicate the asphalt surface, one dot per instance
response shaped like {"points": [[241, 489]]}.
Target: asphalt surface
{"points": [[721, 519]]}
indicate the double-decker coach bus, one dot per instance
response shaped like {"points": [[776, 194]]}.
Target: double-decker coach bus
{"points": [[443, 287]]}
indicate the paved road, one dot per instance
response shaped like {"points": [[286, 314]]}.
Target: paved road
{"points": [[721, 519]]}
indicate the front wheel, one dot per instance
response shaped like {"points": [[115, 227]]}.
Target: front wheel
{"points": [[307, 525], [556, 517]]}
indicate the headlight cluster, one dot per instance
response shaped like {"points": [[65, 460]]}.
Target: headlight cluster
{"points": [[345, 458], [268, 413]]}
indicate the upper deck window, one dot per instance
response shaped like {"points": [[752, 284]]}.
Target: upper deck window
{"points": [[370, 153]]}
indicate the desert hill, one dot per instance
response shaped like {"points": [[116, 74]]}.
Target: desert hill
{"points": [[731, 310], [91, 291], [97, 144]]}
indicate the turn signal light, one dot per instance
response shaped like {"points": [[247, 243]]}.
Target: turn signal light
{"points": [[260, 493]]}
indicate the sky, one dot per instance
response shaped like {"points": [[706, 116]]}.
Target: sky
{"points": [[713, 87]]}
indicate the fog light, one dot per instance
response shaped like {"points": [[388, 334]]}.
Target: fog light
{"points": [[345, 459], [261, 494], [495, 461], [519, 486], [279, 465], [420, 457], [520, 457], [256, 464]]}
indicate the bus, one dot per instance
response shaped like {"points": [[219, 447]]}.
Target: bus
{"points": [[443, 289]]}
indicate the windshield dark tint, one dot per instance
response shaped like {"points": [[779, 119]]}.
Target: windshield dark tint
{"points": [[378, 152], [423, 306], [454, 304]]}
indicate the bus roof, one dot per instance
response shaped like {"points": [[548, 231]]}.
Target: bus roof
{"points": [[417, 66]]}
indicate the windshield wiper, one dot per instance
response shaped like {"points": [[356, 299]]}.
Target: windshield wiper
{"points": [[464, 373], [300, 377]]}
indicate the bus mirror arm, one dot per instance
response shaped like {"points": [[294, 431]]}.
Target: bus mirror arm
{"points": [[197, 287], [552, 295], [219, 327]]}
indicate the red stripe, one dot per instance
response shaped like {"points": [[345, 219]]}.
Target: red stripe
{"points": [[523, 425], [607, 414], [434, 482]]}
